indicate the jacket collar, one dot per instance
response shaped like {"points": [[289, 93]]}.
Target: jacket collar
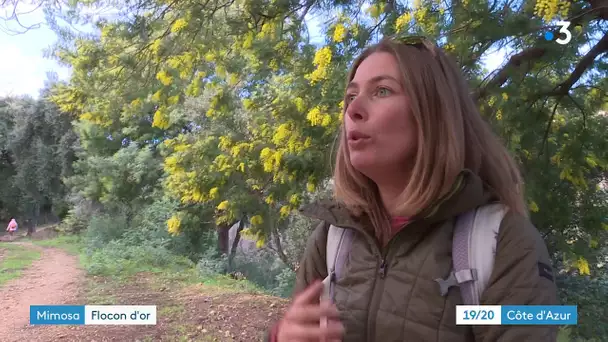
{"points": [[468, 192]]}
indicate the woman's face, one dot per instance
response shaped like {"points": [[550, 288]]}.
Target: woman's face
{"points": [[380, 130]]}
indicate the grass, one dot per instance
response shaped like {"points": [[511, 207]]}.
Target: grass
{"points": [[14, 259], [100, 292], [175, 310], [210, 284], [564, 336], [188, 276], [69, 243], [225, 283]]}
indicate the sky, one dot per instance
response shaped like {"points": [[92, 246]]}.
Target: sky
{"points": [[23, 67]]}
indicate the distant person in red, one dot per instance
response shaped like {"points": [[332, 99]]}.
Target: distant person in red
{"points": [[12, 226]]}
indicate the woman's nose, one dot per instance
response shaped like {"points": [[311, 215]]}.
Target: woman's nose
{"points": [[356, 109]]}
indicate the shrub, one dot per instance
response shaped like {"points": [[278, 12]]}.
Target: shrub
{"points": [[591, 297], [212, 264], [286, 281], [104, 229], [120, 258], [78, 216]]}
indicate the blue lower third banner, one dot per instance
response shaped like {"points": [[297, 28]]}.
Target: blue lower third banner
{"points": [[516, 315], [93, 314], [539, 315]]}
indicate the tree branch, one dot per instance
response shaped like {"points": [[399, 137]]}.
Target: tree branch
{"points": [[503, 75], [563, 88], [600, 7], [306, 10], [546, 136], [578, 105], [14, 16], [529, 55]]}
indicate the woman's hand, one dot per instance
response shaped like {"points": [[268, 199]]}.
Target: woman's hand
{"points": [[302, 321]]}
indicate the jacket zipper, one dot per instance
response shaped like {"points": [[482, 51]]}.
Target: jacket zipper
{"points": [[382, 268], [378, 287], [382, 257]]}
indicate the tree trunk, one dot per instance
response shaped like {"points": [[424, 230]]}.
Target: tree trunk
{"points": [[36, 214], [30, 227], [223, 238], [277, 241], [235, 245]]}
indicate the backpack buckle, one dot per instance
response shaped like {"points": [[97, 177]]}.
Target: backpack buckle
{"points": [[455, 279]]}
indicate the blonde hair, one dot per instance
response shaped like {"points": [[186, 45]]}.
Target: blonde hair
{"points": [[452, 136]]}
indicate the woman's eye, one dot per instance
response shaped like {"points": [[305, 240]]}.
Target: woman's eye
{"points": [[383, 92]]}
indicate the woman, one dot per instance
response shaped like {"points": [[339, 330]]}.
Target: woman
{"points": [[414, 154], [12, 226]]}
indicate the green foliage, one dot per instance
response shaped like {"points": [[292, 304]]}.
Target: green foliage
{"points": [[149, 224], [295, 237], [125, 179], [118, 258], [114, 248], [588, 294], [36, 151], [79, 215], [142, 241], [211, 264], [263, 272], [104, 229], [261, 267], [285, 283], [266, 270]]}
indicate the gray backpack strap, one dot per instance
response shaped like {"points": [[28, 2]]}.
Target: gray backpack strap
{"points": [[473, 252], [338, 245]]}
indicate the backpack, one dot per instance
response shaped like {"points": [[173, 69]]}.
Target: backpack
{"points": [[473, 252], [12, 225]]}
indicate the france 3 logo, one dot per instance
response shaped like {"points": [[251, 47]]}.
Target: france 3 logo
{"points": [[563, 36]]}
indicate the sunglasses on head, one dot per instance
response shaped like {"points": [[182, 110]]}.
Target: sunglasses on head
{"points": [[410, 40], [420, 42]]}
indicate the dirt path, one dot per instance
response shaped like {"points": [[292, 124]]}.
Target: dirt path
{"points": [[53, 279], [194, 312]]}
